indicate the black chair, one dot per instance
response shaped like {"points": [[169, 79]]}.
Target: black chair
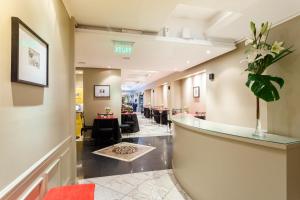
{"points": [[128, 123], [164, 117], [106, 131], [85, 127], [201, 115], [147, 113], [156, 116], [124, 128], [169, 122]]}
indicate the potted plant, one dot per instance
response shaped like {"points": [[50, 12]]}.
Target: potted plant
{"points": [[261, 54]]}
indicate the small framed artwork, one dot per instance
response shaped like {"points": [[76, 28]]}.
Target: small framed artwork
{"points": [[196, 92], [102, 91], [29, 55]]}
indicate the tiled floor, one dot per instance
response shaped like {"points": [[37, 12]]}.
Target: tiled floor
{"points": [[148, 177], [153, 185], [148, 128], [90, 165]]}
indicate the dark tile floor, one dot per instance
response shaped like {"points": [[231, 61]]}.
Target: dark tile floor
{"points": [[90, 165]]}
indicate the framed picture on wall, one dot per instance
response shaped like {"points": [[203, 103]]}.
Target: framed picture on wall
{"points": [[196, 92], [102, 91], [29, 55]]}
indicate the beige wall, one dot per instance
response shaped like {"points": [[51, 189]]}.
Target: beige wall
{"points": [[188, 101], [93, 105], [227, 99], [34, 120], [147, 97], [79, 81], [176, 94], [165, 95], [284, 115], [158, 96]]}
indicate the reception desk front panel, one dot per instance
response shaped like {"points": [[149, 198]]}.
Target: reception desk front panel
{"points": [[219, 162]]}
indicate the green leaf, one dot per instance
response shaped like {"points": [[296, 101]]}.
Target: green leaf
{"points": [[253, 28], [263, 86]]}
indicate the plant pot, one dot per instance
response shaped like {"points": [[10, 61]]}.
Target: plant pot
{"points": [[258, 131]]}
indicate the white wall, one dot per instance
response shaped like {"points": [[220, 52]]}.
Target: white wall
{"points": [[33, 119]]}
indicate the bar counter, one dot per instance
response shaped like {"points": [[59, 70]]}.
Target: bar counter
{"points": [[214, 161]]}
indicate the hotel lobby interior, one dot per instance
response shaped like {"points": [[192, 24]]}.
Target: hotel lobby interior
{"points": [[149, 100]]}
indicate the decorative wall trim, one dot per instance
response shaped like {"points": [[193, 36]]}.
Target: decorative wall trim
{"points": [[37, 175]]}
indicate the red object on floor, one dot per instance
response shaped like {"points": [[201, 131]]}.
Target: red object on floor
{"points": [[72, 192]]}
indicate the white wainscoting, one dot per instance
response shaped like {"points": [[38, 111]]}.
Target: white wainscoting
{"points": [[54, 169]]}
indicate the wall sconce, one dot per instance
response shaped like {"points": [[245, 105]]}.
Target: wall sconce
{"points": [[211, 76]]}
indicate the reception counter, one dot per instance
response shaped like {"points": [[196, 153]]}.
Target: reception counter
{"points": [[215, 161]]}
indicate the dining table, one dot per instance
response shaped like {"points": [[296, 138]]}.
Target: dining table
{"points": [[106, 129]]}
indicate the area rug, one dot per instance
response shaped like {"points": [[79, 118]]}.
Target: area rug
{"points": [[140, 150]]}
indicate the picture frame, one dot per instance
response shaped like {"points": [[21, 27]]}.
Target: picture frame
{"points": [[29, 55], [102, 91], [196, 92]]}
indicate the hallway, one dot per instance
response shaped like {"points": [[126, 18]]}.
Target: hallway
{"points": [[148, 177], [90, 165]]}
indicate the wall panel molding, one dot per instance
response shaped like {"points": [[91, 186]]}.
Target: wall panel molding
{"points": [[34, 181]]}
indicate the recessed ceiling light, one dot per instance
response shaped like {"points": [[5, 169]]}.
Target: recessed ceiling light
{"points": [[187, 62], [208, 52]]}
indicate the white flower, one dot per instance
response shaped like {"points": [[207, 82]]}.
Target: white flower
{"points": [[263, 53], [277, 47], [257, 54], [248, 41], [251, 56]]}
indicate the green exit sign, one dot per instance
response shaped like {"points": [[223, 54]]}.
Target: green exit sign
{"points": [[123, 47]]}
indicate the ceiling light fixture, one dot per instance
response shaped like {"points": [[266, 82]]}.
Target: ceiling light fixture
{"points": [[187, 62], [208, 52]]}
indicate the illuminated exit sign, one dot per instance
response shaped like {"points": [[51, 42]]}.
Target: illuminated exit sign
{"points": [[123, 47]]}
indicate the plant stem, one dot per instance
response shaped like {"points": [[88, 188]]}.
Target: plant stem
{"points": [[257, 109]]}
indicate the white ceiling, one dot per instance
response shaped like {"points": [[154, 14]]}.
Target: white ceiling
{"points": [[160, 55], [204, 21]]}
